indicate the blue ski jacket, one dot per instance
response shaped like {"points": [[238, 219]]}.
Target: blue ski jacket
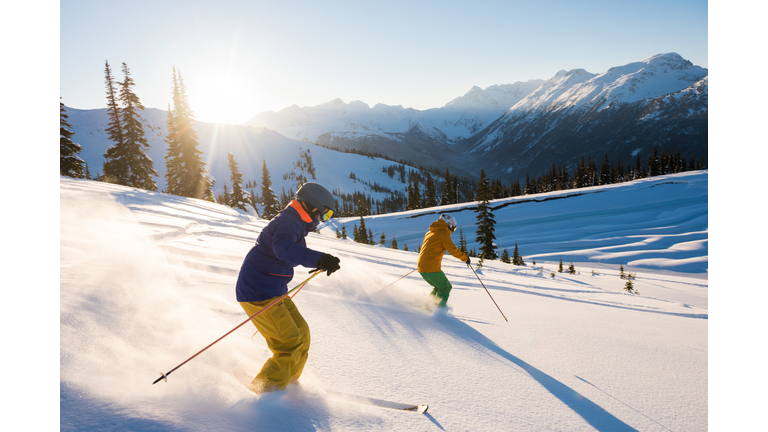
{"points": [[281, 246]]}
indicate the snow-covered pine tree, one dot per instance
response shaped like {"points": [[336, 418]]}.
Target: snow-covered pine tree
{"points": [[70, 164], [486, 223], [239, 196], [270, 206]]}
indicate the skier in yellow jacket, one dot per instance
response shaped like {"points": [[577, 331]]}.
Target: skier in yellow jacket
{"points": [[436, 242]]}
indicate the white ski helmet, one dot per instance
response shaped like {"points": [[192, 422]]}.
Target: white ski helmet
{"points": [[450, 221]]}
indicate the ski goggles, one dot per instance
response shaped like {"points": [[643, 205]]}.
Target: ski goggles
{"points": [[326, 214]]}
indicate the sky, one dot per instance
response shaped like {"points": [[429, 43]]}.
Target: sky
{"points": [[239, 58]]}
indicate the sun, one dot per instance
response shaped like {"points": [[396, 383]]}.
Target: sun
{"points": [[221, 96]]}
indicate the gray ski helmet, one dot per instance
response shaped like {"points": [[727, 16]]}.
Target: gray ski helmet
{"points": [[317, 196], [450, 221]]}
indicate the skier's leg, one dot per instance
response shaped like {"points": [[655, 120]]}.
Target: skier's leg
{"points": [[304, 330], [441, 286], [284, 339]]}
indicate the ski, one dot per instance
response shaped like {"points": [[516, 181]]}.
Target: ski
{"points": [[364, 400]]}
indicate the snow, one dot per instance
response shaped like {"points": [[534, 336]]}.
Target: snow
{"points": [[147, 280]]}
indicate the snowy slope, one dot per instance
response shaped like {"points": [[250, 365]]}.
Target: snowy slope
{"points": [[147, 280]]}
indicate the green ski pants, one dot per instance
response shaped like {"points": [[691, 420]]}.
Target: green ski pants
{"points": [[441, 288]]}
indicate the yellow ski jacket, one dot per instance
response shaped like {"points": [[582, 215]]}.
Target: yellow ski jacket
{"points": [[436, 242]]}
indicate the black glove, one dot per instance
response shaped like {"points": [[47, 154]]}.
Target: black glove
{"points": [[328, 263]]}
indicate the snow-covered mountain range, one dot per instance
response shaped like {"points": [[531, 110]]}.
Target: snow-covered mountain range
{"points": [[458, 119], [523, 128]]}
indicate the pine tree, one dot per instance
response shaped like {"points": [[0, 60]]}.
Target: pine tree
{"points": [[629, 286], [485, 220], [127, 162], [185, 169], [430, 199], [70, 164], [517, 259], [505, 257], [605, 171], [621, 271], [361, 236], [225, 197], [572, 269], [448, 193], [343, 231], [414, 196], [382, 238], [173, 167], [239, 197], [270, 206], [113, 171], [462, 241], [393, 245], [371, 240], [560, 267]]}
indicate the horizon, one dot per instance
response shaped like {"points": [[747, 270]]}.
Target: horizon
{"points": [[238, 59]]}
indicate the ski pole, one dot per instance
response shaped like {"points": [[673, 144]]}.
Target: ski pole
{"points": [[407, 274], [486, 290], [164, 376]]}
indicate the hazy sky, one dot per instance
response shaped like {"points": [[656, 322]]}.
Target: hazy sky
{"points": [[238, 58]]}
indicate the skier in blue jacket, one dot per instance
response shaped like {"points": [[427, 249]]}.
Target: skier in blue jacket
{"points": [[264, 276]]}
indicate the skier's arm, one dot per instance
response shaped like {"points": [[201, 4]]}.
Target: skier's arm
{"points": [[288, 246], [453, 250]]}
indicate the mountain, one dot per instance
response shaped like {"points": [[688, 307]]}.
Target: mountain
{"points": [[423, 137], [523, 128], [458, 119], [624, 112]]}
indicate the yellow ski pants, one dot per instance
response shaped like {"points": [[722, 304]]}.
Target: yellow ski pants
{"points": [[287, 336]]}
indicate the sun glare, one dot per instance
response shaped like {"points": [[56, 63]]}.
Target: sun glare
{"points": [[219, 99]]}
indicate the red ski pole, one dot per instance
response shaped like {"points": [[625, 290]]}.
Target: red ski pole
{"points": [[164, 376]]}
